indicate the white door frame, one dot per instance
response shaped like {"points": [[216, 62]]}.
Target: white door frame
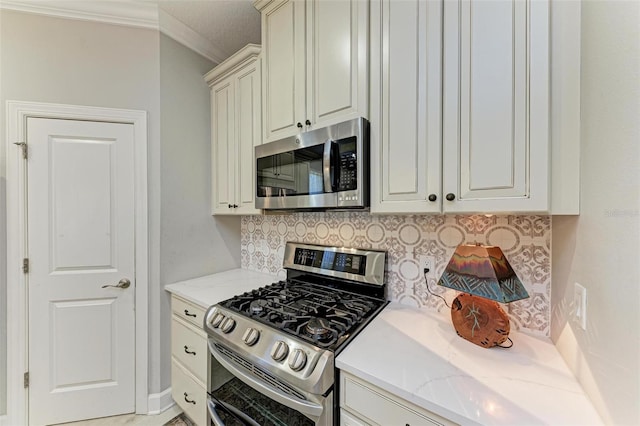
{"points": [[17, 281]]}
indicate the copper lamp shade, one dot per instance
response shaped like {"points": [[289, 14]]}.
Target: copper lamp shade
{"points": [[485, 277]]}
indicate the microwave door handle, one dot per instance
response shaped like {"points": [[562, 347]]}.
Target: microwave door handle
{"points": [[326, 166]]}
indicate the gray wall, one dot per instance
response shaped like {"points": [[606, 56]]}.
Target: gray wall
{"points": [[47, 59], [193, 243], [600, 249]]}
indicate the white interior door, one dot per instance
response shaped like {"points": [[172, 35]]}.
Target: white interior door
{"points": [[80, 238]]}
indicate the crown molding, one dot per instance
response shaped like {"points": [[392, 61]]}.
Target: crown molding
{"points": [[237, 59], [183, 34], [123, 12], [127, 13]]}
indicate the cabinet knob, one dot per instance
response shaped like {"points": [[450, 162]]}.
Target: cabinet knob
{"points": [[235, 206], [308, 123], [299, 125], [450, 196], [433, 197], [230, 206]]}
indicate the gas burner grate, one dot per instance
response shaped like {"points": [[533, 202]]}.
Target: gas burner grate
{"points": [[291, 305]]}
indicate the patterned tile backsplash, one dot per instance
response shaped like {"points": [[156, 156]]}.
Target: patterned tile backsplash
{"points": [[410, 240]]}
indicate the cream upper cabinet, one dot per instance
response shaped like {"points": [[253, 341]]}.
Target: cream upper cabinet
{"points": [[315, 63], [496, 151], [235, 131], [460, 107], [406, 112]]}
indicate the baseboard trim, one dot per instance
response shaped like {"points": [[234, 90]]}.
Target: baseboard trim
{"points": [[160, 402]]}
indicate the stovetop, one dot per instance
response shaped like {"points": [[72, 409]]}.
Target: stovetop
{"points": [[320, 314], [289, 332]]}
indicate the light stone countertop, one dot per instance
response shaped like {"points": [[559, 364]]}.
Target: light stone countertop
{"points": [[211, 289], [417, 355]]}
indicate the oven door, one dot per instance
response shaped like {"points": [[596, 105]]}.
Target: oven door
{"points": [[238, 396]]}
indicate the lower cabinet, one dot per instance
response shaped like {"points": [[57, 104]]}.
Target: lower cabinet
{"points": [[189, 359], [362, 404]]}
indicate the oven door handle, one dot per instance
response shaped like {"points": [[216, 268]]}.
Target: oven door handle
{"points": [[304, 407], [217, 421]]}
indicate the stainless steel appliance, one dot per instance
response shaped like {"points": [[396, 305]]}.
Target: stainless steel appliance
{"points": [[272, 350], [319, 169]]}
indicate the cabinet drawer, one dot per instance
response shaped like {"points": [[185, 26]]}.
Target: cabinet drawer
{"points": [[348, 419], [189, 346], [188, 311], [188, 394], [382, 408]]}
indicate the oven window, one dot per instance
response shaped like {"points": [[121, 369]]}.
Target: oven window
{"points": [[260, 408]]}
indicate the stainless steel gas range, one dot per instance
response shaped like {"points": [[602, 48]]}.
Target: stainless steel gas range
{"points": [[272, 350]]}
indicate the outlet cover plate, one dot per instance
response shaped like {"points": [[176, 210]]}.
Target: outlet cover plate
{"points": [[427, 262]]}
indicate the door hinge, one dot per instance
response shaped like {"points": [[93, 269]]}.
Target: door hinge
{"points": [[26, 379], [25, 265], [23, 145]]}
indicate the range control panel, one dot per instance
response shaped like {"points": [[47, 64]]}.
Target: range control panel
{"points": [[331, 260]]}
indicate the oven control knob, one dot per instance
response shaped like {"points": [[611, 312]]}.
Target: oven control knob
{"points": [[216, 320], [280, 350], [297, 360], [251, 336], [227, 325]]}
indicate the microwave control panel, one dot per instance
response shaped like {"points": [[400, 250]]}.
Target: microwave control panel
{"points": [[347, 149]]}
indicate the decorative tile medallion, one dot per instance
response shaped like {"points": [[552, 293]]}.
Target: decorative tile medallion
{"points": [[411, 240]]}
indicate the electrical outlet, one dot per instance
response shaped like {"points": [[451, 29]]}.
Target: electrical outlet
{"points": [[580, 305], [426, 262]]}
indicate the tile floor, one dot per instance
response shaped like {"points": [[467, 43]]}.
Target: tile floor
{"points": [[132, 419]]}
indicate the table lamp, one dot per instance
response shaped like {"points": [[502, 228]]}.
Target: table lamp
{"points": [[484, 276]]}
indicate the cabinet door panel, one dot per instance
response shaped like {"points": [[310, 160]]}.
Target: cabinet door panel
{"points": [[248, 126], [405, 105], [284, 68], [493, 96], [222, 120], [491, 146], [337, 73]]}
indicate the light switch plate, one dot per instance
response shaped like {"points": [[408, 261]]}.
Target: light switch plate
{"points": [[580, 305]]}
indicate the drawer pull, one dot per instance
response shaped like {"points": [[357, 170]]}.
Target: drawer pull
{"points": [[186, 312], [190, 401], [186, 349]]}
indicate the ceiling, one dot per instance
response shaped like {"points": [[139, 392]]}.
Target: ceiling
{"points": [[227, 24]]}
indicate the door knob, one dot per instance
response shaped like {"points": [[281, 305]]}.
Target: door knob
{"points": [[123, 283]]}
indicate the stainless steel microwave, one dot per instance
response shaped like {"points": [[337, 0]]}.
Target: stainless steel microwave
{"points": [[320, 169]]}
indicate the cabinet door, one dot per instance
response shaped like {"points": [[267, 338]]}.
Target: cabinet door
{"points": [[222, 147], [406, 40], [496, 105], [337, 78], [283, 38], [248, 134]]}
